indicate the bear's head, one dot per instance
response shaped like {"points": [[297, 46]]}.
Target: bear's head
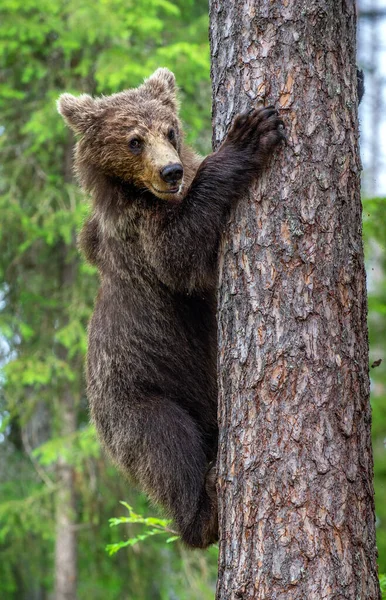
{"points": [[134, 136]]}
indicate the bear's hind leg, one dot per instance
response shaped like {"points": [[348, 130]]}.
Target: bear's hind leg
{"points": [[163, 450]]}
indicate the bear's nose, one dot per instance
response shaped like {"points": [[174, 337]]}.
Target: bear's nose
{"points": [[172, 173]]}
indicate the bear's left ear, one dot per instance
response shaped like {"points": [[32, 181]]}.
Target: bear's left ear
{"points": [[79, 112], [162, 85]]}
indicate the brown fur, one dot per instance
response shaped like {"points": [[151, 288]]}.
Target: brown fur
{"points": [[151, 363]]}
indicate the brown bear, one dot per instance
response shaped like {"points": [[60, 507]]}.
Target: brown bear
{"points": [[157, 216]]}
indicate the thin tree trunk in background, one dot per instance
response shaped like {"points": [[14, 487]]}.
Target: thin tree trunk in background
{"points": [[295, 460], [65, 541], [66, 516]]}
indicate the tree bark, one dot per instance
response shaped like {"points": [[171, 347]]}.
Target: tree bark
{"points": [[295, 488]]}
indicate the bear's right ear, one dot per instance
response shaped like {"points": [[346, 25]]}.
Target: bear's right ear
{"points": [[78, 112], [162, 85]]}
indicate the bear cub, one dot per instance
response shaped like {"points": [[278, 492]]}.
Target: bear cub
{"points": [[158, 210]]}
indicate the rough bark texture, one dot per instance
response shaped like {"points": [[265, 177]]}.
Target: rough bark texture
{"points": [[295, 460]]}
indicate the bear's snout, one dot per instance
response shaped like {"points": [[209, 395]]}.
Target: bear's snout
{"points": [[172, 173]]}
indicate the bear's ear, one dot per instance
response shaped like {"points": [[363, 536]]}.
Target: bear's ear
{"points": [[78, 112], [162, 85]]}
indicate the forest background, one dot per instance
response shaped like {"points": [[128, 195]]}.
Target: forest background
{"points": [[101, 47]]}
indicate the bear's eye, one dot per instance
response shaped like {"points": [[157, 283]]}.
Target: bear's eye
{"points": [[171, 134], [135, 144]]}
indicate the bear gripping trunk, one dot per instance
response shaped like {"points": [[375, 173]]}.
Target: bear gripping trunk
{"points": [[295, 462]]}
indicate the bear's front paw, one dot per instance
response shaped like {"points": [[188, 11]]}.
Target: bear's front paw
{"points": [[257, 132]]}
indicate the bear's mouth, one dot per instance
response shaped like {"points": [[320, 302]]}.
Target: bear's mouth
{"points": [[174, 190]]}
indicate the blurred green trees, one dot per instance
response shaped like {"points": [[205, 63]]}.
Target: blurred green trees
{"points": [[374, 226], [46, 294]]}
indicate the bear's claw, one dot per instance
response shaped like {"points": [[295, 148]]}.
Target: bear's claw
{"points": [[257, 131]]}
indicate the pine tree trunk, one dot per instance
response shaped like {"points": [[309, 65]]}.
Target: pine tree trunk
{"points": [[295, 460]]}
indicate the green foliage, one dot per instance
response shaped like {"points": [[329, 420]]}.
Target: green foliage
{"points": [[153, 526], [374, 227], [73, 448], [382, 581]]}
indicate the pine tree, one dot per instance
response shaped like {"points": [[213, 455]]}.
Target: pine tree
{"points": [[295, 462]]}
